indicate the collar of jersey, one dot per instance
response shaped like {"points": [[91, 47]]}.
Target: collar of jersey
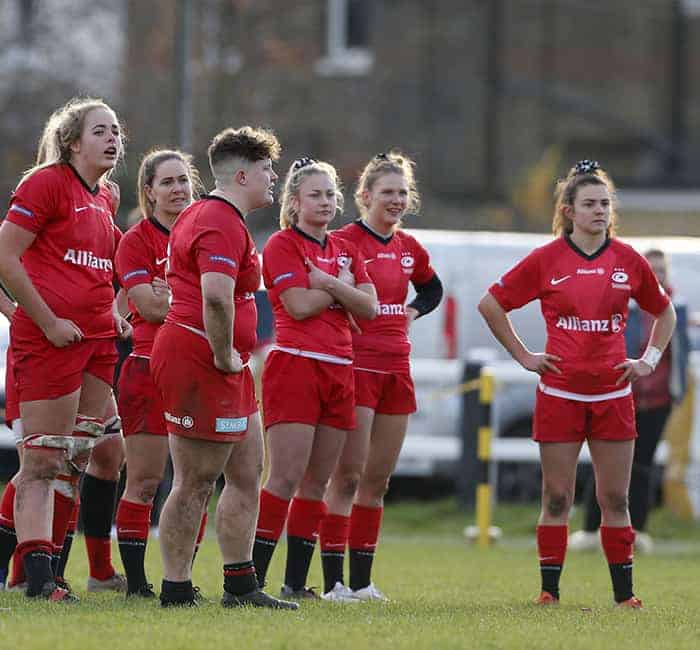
{"points": [[92, 190], [159, 226], [374, 233], [298, 230], [213, 197], [578, 251]]}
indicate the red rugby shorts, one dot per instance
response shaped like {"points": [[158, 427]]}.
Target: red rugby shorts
{"points": [[307, 391]]}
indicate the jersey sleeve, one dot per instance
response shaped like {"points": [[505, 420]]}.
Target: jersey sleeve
{"points": [[36, 201], [132, 262], [422, 271], [520, 285], [218, 247], [648, 293], [283, 265]]}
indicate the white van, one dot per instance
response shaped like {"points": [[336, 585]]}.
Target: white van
{"points": [[468, 263]]}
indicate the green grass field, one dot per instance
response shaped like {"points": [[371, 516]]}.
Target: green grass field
{"points": [[445, 594]]}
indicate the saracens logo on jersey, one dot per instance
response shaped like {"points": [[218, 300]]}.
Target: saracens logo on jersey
{"points": [[620, 279], [88, 259], [407, 262], [576, 324]]}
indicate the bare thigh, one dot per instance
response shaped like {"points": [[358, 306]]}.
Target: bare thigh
{"points": [[289, 446], [244, 466], [197, 462], [612, 464], [357, 444], [146, 457], [388, 434], [50, 416], [559, 461], [328, 443]]}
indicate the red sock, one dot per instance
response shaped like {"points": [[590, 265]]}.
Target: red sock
{"points": [[133, 520], [272, 516], [73, 521], [202, 530], [333, 533], [551, 548], [7, 519], [7, 507], [305, 516], [17, 574], [365, 523], [62, 510], [617, 544], [551, 544], [99, 552]]}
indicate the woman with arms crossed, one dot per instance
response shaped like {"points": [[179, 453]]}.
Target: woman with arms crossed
{"points": [[315, 280], [165, 186]]}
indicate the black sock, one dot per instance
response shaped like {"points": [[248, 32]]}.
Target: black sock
{"points": [[133, 554], [37, 568], [98, 499], [240, 578], [262, 554], [8, 543], [360, 568], [332, 562], [550, 578], [65, 553], [299, 554], [621, 575], [176, 593], [55, 560]]}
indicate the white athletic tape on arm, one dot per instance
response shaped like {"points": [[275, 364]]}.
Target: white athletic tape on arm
{"points": [[652, 356]]}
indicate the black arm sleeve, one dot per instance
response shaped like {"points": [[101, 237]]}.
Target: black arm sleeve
{"points": [[428, 296]]}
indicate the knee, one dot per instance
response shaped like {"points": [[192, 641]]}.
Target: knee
{"points": [[616, 502], [313, 487], [247, 480], [348, 485], [375, 486], [146, 489], [107, 458], [193, 491], [557, 501], [284, 485], [346, 482], [42, 465]]}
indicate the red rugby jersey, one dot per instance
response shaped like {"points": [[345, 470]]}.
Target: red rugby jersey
{"points": [[70, 263], [391, 263], [284, 267], [141, 257], [584, 303], [210, 236]]}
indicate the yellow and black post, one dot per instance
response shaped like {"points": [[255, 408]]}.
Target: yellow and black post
{"points": [[483, 489]]}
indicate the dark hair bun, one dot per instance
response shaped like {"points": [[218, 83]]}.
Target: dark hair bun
{"points": [[586, 166]]}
